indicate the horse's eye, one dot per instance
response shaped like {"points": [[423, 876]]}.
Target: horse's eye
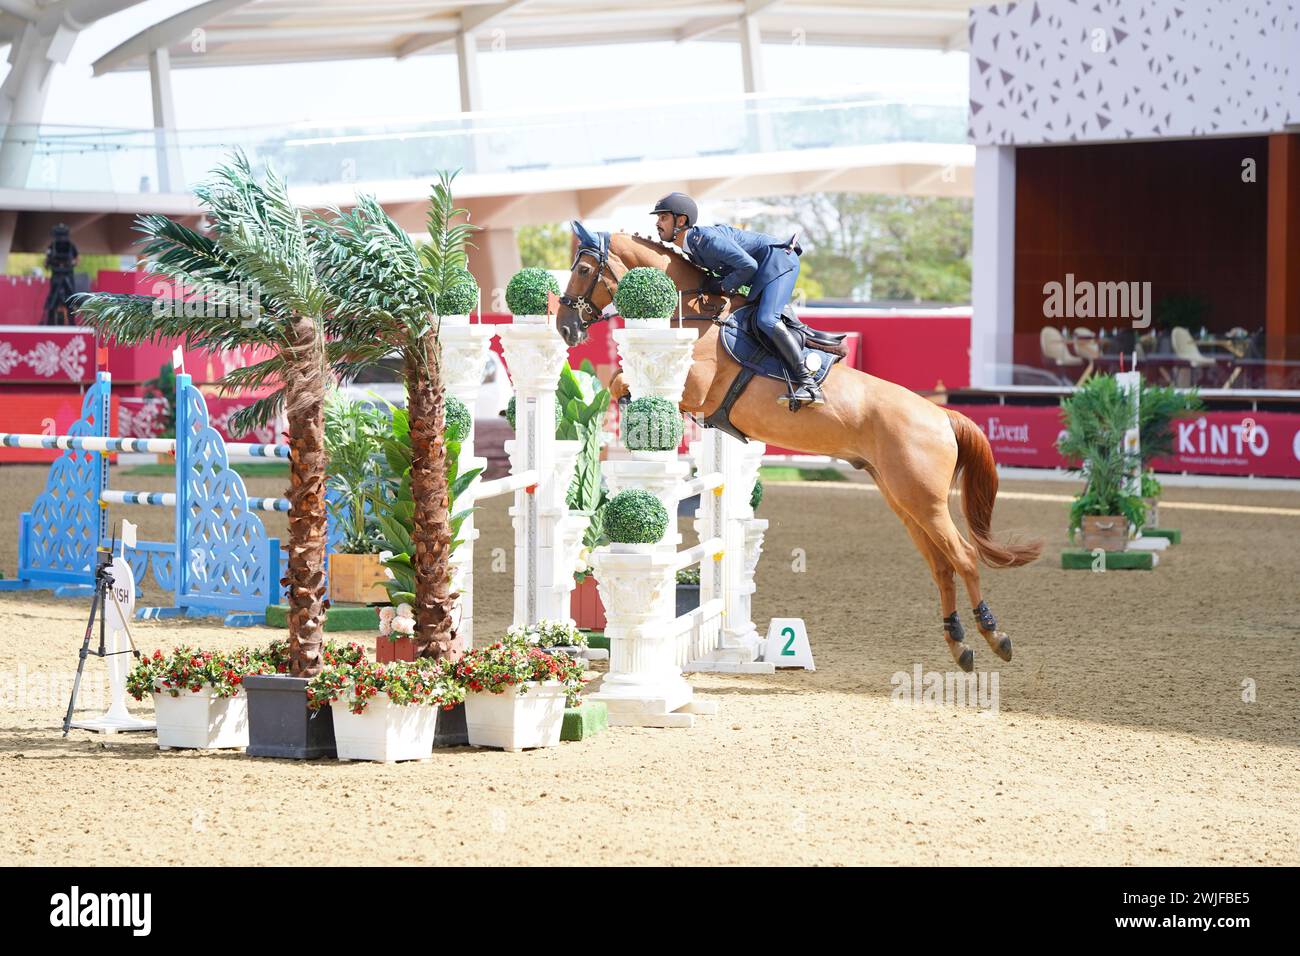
{"points": [[583, 270]]}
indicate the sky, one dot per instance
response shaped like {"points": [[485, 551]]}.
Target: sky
{"points": [[523, 79]]}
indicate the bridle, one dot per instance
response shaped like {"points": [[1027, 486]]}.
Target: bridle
{"points": [[582, 304]]}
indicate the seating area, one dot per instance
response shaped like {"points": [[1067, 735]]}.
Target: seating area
{"points": [[1235, 359]]}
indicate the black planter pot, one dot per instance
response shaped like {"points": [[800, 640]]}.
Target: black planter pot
{"points": [[451, 730], [688, 598], [279, 722], [686, 507]]}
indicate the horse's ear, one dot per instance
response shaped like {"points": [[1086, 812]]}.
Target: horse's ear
{"points": [[585, 238]]}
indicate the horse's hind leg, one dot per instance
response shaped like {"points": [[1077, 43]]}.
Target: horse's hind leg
{"points": [[961, 554], [941, 571]]}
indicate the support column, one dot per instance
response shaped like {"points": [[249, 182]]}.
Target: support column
{"points": [[471, 100], [32, 57], [170, 177], [1282, 293], [993, 287], [535, 352], [464, 354], [751, 64]]}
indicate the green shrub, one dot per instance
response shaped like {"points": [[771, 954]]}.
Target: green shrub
{"points": [[756, 496], [455, 418], [510, 415], [635, 516], [646, 293], [651, 423], [460, 297], [689, 575], [526, 292]]}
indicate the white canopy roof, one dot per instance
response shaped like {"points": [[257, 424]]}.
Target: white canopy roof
{"points": [[241, 32]]}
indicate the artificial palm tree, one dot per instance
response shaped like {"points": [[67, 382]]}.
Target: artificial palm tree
{"points": [[258, 241], [388, 291]]}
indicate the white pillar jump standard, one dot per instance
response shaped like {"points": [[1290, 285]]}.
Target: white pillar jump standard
{"points": [[464, 357]]}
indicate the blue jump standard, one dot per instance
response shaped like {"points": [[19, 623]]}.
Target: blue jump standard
{"points": [[221, 561]]}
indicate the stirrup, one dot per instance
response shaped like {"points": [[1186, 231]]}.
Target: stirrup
{"points": [[798, 401]]}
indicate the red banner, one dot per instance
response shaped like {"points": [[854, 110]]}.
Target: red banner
{"points": [[1265, 444], [48, 355]]}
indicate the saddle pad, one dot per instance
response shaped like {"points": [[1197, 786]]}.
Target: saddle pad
{"points": [[747, 347]]}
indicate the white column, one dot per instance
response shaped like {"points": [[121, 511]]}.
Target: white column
{"points": [[638, 582], [32, 58], [170, 177], [535, 353], [467, 70], [993, 268], [464, 356], [726, 514], [751, 54]]}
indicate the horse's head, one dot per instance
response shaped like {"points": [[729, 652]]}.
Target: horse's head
{"points": [[589, 294]]}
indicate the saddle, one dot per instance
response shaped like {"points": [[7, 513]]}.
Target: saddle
{"points": [[749, 348]]}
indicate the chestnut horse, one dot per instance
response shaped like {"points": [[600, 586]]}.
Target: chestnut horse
{"points": [[913, 448]]}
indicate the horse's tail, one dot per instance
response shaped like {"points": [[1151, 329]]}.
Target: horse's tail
{"points": [[979, 488]]}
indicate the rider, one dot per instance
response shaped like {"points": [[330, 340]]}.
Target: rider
{"points": [[734, 257]]}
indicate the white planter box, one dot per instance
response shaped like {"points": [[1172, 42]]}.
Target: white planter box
{"points": [[513, 721], [201, 720], [384, 731]]}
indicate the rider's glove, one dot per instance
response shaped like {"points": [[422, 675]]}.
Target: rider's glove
{"points": [[712, 285]]}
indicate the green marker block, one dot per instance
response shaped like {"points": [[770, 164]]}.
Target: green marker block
{"points": [[341, 617], [597, 639], [1173, 534], [585, 721], [1076, 559]]}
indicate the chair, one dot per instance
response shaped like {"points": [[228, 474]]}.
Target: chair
{"points": [[1185, 348], [1057, 351], [1086, 344]]}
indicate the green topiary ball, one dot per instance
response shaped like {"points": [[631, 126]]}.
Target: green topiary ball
{"points": [[756, 495], [646, 293], [461, 296], [635, 516], [510, 414], [526, 292], [455, 418], [651, 423]]}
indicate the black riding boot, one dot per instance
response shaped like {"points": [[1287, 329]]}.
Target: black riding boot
{"points": [[803, 389]]}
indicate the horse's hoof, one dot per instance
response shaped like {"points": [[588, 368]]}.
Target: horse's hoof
{"points": [[963, 655], [1003, 648]]}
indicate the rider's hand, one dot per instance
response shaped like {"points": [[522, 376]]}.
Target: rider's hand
{"points": [[712, 285]]}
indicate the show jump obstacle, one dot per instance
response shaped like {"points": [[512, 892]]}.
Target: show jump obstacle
{"points": [[221, 561], [650, 647]]}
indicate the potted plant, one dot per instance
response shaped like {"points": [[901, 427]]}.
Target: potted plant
{"points": [[1151, 490], [646, 298], [584, 401], [257, 239], [385, 712], [1097, 417], [280, 719], [553, 637], [652, 424], [526, 294], [361, 486], [515, 695], [198, 696]]}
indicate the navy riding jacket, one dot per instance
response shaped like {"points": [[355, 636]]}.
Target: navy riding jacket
{"points": [[740, 257]]}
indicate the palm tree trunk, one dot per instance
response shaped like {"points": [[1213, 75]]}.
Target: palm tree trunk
{"points": [[305, 574], [431, 536]]}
